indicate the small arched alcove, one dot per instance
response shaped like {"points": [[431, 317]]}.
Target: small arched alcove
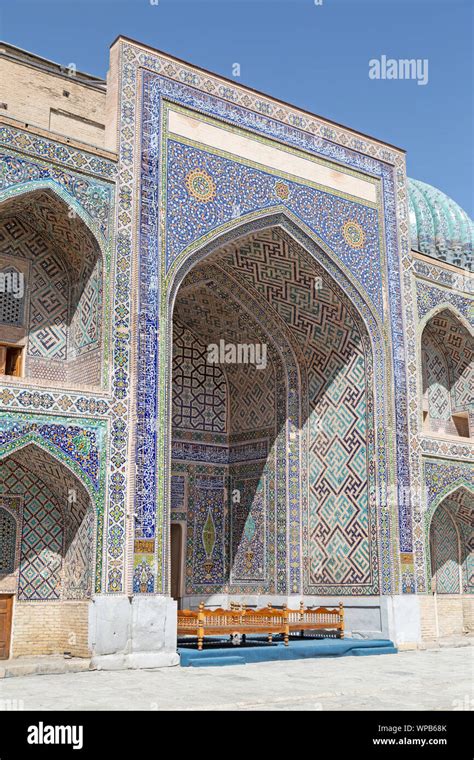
{"points": [[51, 292], [447, 355]]}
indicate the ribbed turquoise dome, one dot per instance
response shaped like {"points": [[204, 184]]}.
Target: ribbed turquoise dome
{"points": [[438, 226]]}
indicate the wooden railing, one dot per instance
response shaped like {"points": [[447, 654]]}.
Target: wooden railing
{"points": [[269, 621]]}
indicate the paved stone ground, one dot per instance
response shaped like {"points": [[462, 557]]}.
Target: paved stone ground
{"points": [[427, 680]]}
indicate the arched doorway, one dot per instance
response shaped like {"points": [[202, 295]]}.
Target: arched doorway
{"points": [[47, 559], [52, 280], [451, 537], [273, 456]]}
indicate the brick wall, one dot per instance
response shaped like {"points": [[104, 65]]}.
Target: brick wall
{"points": [[50, 628], [427, 618], [455, 614], [37, 98], [468, 612]]}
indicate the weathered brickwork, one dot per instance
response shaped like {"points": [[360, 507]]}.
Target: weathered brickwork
{"points": [[446, 615], [51, 628]]}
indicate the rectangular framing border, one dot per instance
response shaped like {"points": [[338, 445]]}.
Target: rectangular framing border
{"points": [[388, 163]]}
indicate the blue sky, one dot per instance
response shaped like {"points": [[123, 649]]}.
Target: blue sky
{"points": [[315, 56]]}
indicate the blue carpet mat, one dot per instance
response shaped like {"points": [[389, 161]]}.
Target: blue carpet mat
{"points": [[217, 653]]}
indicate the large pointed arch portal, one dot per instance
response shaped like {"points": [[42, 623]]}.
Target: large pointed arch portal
{"points": [[271, 469]]}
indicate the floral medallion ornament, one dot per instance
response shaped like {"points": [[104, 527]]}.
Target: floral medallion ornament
{"points": [[82, 443], [201, 185], [282, 190], [353, 234]]}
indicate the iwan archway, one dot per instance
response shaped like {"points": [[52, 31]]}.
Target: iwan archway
{"points": [[273, 464]]}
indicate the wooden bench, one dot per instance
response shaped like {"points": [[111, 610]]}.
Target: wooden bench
{"points": [[238, 620], [268, 621], [317, 619]]}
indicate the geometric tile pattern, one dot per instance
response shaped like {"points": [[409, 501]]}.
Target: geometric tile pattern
{"points": [[451, 484], [203, 306], [467, 555], [336, 428], [164, 79], [48, 216], [42, 533], [42, 544], [460, 506], [58, 526], [436, 381], [340, 529], [74, 219], [84, 331], [66, 288], [13, 506], [245, 558], [458, 347], [262, 116], [77, 517], [93, 195], [444, 553], [78, 566], [205, 310], [252, 397], [199, 388], [78, 444], [48, 286], [269, 267], [229, 275], [257, 557], [429, 297]]}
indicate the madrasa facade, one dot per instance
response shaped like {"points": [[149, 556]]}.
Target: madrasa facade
{"points": [[236, 365]]}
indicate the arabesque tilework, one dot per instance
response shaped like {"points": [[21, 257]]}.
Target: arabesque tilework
{"points": [[337, 483], [151, 91]]}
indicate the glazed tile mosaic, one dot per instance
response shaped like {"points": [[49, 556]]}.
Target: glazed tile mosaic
{"points": [[459, 507], [444, 553], [336, 462], [155, 103]]}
